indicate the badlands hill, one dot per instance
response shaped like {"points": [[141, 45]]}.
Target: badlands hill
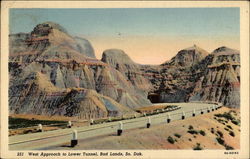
{"points": [[54, 73]]}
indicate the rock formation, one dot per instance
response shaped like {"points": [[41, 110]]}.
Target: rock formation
{"points": [[52, 72], [195, 75], [221, 78], [64, 63]]}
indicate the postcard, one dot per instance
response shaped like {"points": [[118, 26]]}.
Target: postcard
{"points": [[116, 79]]}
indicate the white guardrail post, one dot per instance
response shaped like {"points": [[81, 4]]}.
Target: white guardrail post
{"points": [[40, 128], [119, 130], [213, 108], [134, 115], [208, 109], [74, 140], [194, 112], [69, 124], [183, 115], [169, 118], [91, 122], [149, 122], [202, 112]]}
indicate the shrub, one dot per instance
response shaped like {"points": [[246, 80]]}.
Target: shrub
{"points": [[198, 147], [228, 147], [177, 135], [192, 131], [220, 120], [229, 127], [202, 132], [220, 140], [170, 140], [27, 131], [236, 122], [212, 130], [226, 129], [231, 133], [220, 133], [190, 127], [232, 111]]}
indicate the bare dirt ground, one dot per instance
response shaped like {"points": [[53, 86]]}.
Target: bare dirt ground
{"points": [[216, 135]]}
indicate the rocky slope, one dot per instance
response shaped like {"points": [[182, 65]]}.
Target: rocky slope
{"points": [[63, 63], [54, 73], [195, 75], [221, 78]]}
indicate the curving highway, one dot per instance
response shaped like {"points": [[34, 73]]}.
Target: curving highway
{"points": [[43, 140]]}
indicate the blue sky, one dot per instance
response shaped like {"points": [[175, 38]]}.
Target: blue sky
{"points": [[147, 35], [133, 21]]}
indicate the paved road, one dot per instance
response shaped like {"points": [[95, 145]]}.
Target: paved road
{"points": [[43, 140]]}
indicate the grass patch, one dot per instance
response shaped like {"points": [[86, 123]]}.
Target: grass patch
{"points": [[177, 135], [15, 123], [171, 140], [198, 147], [203, 133]]}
